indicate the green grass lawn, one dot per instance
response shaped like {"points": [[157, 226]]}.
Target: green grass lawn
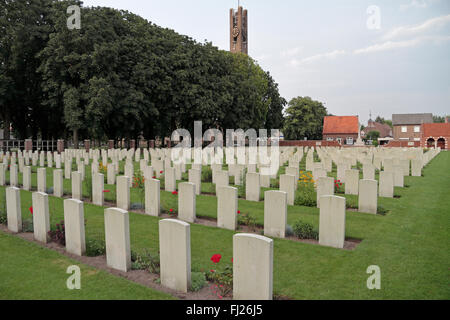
{"points": [[410, 244], [28, 271]]}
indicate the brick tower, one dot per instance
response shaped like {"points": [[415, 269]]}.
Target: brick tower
{"points": [[238, 30]]}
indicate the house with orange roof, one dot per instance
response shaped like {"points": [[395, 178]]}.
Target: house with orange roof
{"points": [[436, 135], [343, 129]]}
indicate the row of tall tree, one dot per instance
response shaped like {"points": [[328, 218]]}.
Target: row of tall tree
{"points": [[120, 76]]}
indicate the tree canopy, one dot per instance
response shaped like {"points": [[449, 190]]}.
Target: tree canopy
{"points": [[304, 119], [439, 119], [384, 121], [121, 76]]}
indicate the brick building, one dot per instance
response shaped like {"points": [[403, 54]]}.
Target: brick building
{"points": [[386, 132], [436, 135], [408, 127], [344, 130]]}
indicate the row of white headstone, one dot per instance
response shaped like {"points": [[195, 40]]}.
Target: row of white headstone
{"points": [[275, 203], [250, 252]]}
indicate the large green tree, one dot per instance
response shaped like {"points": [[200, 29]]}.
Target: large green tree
{"points": [[304, 119], [25, 27], [120, 76]]}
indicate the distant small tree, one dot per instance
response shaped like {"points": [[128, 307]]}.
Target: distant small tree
{"points": [[438, 119], [304, 118], [383, 121], [372, 135]]}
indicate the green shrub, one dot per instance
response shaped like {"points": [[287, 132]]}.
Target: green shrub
{"points": [[3, 216], [351, 203], [145, 261], [95, 248], [289, 231], [223, 280], [57, 233], [136, 206], [381, 210], [246, 219], [274, 183], [207, 175], [198, 281], [306, 195], [27, 226], [304, 230]]}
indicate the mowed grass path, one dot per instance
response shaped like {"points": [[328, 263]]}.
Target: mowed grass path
{"points": [[28, 271], [410, 244]]}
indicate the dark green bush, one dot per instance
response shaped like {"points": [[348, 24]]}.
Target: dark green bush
{"points": [[381, 210], [246, 219], [207, 174], [305, 195], [95, 248], [3, 216], [198, 281], [289, 231], [304, 230], [27, 226], [145, 261], [351, 203]]}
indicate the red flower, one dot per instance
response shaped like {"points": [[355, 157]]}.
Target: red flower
{"points": [[161, 172], [174, 193], [239, 212], [216, 258], [31, 210], [106, 191], [232, 260], [212, 271], [154, 177], [171, 210]]}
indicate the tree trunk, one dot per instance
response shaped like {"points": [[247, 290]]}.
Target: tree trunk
{"points": [[6, 125], [75, 138]]}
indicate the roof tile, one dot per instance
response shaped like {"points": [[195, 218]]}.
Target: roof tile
{"points": [[345, 124]]}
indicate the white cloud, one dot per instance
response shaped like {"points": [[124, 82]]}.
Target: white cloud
{"points": [[389, 45], [427, 26], [263, 56], [292, 52], [418, 4], [317, 57]]}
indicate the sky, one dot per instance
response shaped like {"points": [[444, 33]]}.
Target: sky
{"points": [[357, 57]]}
